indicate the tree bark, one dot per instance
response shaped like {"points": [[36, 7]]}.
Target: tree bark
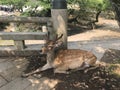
{"points": [[97, 16], [116, 7], [92, 23]]}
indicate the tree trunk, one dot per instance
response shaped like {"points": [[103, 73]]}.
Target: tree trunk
{"points": [[116, 7], [97, 16]]}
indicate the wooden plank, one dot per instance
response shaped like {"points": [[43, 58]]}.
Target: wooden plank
{"points": [[43, 83], [20, 53], [23, 35], [2, 81], [12, 68], [31, 50], [41, 20], [15, 71], [17, 84], [5, 66]]}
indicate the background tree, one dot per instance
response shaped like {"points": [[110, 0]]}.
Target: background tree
{"points": [[89, 10], [80, 11]]}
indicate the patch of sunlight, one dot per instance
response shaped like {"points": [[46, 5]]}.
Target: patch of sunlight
{"points": [[6, 42], [8, 49], [116, 44], [114, 69], [94, 34], [51, 83], [34, 81], [18, 66], [117, 70]]}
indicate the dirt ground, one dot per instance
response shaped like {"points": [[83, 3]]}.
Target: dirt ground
{"points": [[101, 78], [105, 29]]}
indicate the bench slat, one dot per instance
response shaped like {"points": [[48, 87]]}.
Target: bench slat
{"points": [[23, 35], [41, 20]]}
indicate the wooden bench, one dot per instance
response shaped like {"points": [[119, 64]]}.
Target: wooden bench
{"points": [[20, 47], [19, 37]]}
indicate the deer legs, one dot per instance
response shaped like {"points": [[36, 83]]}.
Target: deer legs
{"points": [[45, 67]]}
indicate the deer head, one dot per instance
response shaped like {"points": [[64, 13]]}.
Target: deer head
{"points": [[52, 44]]}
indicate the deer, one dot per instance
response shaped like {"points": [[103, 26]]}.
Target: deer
{"points": [[65, 59]]}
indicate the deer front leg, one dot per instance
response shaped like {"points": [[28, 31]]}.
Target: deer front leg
{"points": [[30, 73], [45, 67]]}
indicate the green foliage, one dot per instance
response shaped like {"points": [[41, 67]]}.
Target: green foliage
{"points": [[91, 4], [101, 4], [35, 3], [87, 12], [83, 6], [32, 11], [17, 4], [42, 13], [12, 2]]}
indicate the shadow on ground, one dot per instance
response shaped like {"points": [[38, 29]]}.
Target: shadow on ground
{"points": [[98, 79], [76, 29]]}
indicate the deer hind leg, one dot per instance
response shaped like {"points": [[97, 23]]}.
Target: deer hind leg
{"points": [[90, 68], [61, 69], [45, 67], [86, 67], [80, 68]]}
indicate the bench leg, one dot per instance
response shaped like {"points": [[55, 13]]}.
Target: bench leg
{"points": [[20, 45]]}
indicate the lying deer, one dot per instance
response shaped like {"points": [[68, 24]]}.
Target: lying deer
{"points": [[66, 59]]}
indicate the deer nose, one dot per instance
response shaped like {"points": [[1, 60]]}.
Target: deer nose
{"points": [[41, 52]]}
